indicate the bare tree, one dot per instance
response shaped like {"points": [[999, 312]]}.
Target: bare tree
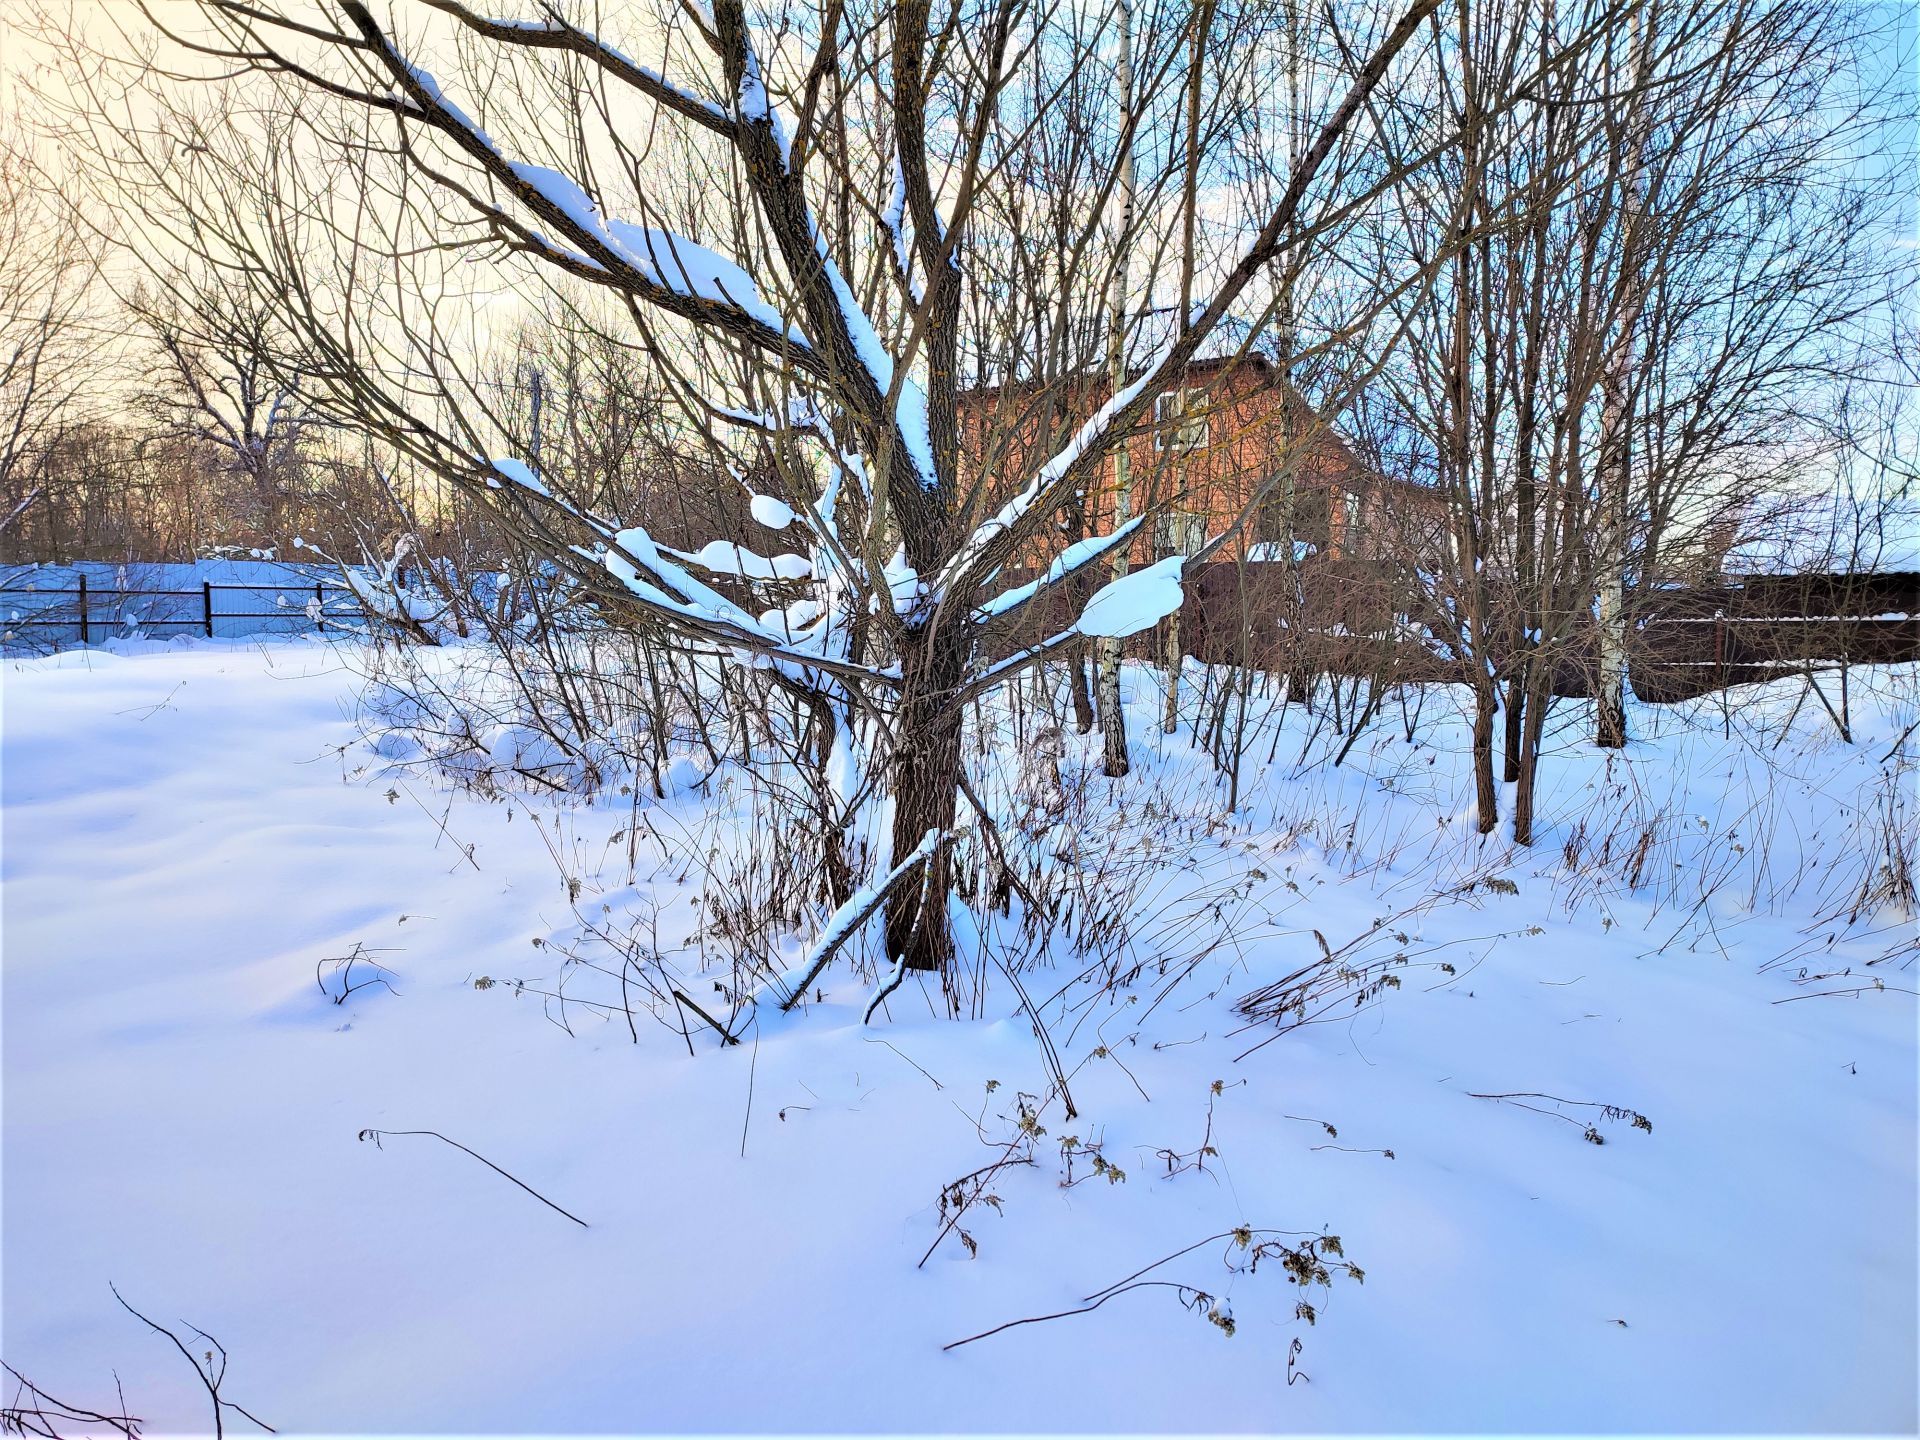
{"points": [[214, 384], [45, 271], [1673, 269], [787, 212]]}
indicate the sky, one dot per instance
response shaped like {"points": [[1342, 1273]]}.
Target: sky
{"points": [[1895, 60]]}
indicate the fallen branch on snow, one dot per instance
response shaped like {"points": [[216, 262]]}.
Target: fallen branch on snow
{"points": [[378, 1135]]}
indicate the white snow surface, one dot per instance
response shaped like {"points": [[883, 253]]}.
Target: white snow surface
{"points": [[191, 829]]}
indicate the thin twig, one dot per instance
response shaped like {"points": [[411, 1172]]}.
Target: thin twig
{"points": [[875, 1040], [689, 1002], [208, 1376], [1062, 1314], [378, 1135], [753, 1064], [30, 1402]]}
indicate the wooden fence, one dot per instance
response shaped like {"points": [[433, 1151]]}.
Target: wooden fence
{"points": [[1347, 619]]}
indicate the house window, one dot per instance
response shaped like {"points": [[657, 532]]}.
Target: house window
{"points": [[1310, 519], [1349, 524], [1181, 423], [1181, 532]]}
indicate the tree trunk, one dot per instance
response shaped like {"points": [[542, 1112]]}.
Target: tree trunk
{"points": [[1538, 694], [1610, 718], [838, 870], [926, 786], [1113, 720], [1077, 684], [1175, 654], [1616, 464], [1486, 793], [1190, 211], [1516, 707]]}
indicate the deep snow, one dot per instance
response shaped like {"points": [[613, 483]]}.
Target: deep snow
{"points": [[191, 829]]}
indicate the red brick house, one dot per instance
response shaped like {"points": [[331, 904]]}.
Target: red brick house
{"points": [[1215, 441]]}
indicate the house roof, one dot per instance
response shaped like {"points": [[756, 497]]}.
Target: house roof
{"points": [[1095, 377]]}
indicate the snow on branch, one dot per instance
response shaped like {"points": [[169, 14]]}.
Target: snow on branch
{"points": [[1126, 606], [503, 474], [835, 314], [1135, 602], [1071, 561], [772, 513], [636, 561], [806, 643], [663, 257], [894, 221], [1090, 437], [847, 920], [723, 557], [755, 105], [666, 269]]}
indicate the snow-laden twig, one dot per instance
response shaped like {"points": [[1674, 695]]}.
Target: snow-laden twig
{"points": [[845, 922], [1069, 562], [896, 977]]}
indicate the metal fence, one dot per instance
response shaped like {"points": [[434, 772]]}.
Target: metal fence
{"points": [[86, 612], [1685, 642]]}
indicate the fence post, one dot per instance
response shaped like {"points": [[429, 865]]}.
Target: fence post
{"points": [[206, 601], [319, 607], [83, 607]]}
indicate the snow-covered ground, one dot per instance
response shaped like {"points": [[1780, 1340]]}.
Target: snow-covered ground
{"points": [[191, 832]]}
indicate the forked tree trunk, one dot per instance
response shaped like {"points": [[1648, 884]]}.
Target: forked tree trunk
{"points": [[1538, 696]]}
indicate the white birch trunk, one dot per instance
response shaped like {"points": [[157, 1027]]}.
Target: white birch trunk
{"points": [[1113, 721]]}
